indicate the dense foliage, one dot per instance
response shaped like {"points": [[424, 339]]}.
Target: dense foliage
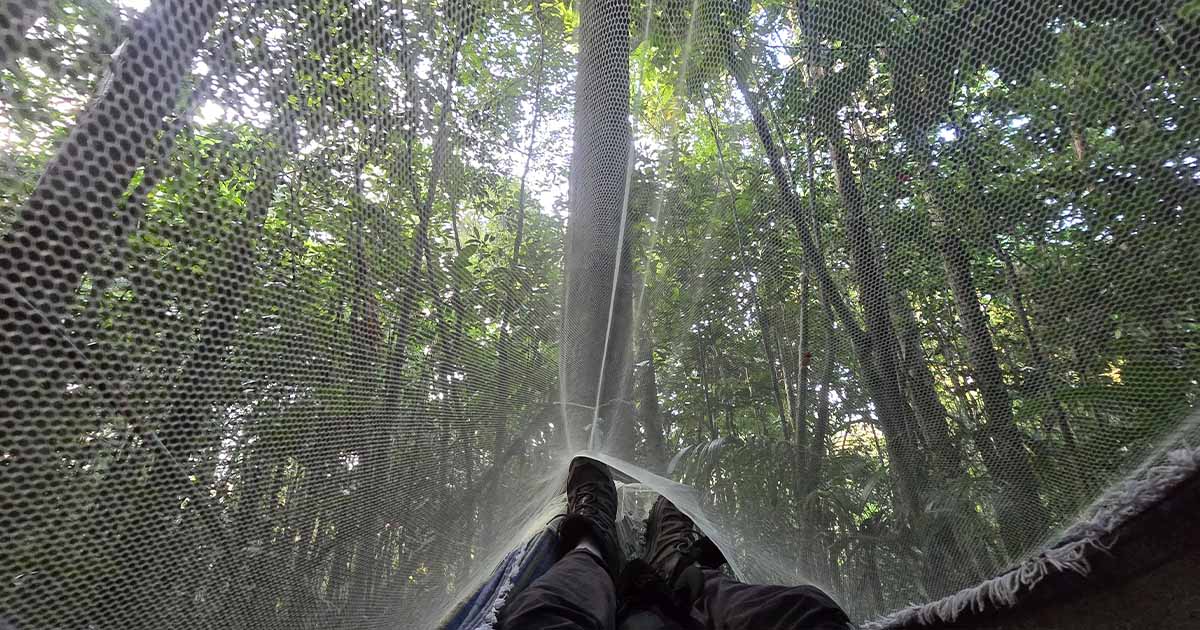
{"points": [[904, 283]]}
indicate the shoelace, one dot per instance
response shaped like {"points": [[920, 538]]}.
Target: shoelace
{"points": [[700, 550], [585, 494]]}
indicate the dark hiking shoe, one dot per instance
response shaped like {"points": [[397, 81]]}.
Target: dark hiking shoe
{"points": [[591, 512], [677, 551]]}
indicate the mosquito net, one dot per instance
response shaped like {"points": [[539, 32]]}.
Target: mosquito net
{"points": [[305, 305]]}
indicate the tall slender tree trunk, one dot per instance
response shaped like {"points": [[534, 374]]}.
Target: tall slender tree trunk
{"points": [[1019, 508], [800, 412], [816, 455], [1023, 518], [931, 413], [202, 383], [967, 412], [871, 585], [649, 416], [598, 310], [1040, 381], [942, 574], [709, 417], [882, 348], [809, 503], [379, 441], [410, 279], [501, 403], [876, 347], [789, 390], [723, 398], [877, 363], [760, 314], [57, 236], [764, 331]]}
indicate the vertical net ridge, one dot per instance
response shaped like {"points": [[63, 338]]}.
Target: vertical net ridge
{"points": [[305, 307]]}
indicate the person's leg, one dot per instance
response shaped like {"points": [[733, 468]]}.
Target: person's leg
{"points": [[650, 619], [688, 563], [731, 605], [646, 604], [576, 592]]}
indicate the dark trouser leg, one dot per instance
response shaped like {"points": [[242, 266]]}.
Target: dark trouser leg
{"points": [[576, 593], [730, 605]]}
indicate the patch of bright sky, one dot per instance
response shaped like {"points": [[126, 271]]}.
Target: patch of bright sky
{"points": [[8, 135], [947, 133], [210, 113], [783, 55], [136, 5], [552, 149], [249, 110]]}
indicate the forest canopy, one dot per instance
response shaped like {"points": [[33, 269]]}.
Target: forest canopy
{"points": [[301, 299]]}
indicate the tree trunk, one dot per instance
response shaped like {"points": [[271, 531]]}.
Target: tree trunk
{"points": [[709, 418], [876, 356], [648, 413], [816, 450], [789, 390], [1019, 509], [140, 92], [410, 280], [57, 236], [621, 439], [375, 456], [760, 314], [1040, 380], [931, 413], [764, 331], [968, 413], [816, 454], [648, 410], [883, 349], [203, 382], [800, 410], [942, 574], [723, 398], [1022, 516], [871, 586], [876, 348], [598, 310]]}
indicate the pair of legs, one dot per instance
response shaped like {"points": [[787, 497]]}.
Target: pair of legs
{"points": [[579, 592]]}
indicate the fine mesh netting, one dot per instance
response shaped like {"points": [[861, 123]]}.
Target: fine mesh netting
{"points": [[307, 304]]}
